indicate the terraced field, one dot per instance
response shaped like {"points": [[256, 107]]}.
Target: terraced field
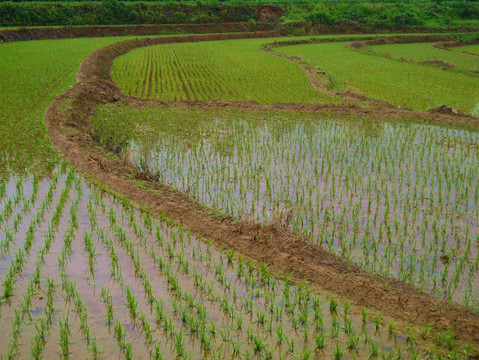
{"points": [[399, 83], [317, 170], [471, 49], [231, 70], [425, 54], [329, 227]]}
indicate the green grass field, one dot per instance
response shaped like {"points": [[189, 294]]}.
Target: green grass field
{"points": [[401, 84]]}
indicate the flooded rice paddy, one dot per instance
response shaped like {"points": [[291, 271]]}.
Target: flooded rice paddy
{"points": [[84, 273], [395, 197]]}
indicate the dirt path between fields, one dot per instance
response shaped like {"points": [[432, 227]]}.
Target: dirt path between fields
{"points": [[67, 120]]}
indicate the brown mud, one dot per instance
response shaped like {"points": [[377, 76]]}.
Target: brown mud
{"points": [[67, 120]]}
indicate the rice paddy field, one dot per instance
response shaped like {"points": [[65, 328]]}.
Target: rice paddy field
{"points": [[426, 54], [471, 49], [335, 177], [403, 84], [85, 272], [212, 71]]}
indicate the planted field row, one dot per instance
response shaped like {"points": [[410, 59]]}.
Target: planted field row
{"points": [[232, 70], [396, 198], [177, 71], [85, 273]]}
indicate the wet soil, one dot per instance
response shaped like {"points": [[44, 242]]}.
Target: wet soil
{"points": [[283, 251]]}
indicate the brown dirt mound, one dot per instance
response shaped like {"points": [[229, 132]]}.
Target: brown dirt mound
{"points": [[284, 251]]}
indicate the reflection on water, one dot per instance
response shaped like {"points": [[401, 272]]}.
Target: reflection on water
{"points": [[124, 284], [396, 198]]}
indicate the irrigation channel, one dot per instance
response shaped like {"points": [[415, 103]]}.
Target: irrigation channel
{"points": [[120, 263]]}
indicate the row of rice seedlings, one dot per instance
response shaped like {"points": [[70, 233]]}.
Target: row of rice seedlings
{"points": [[10, 202], [335, 181], [74, 296], [69, 286], [44, 325], [162, 75], [24, 206], [19, 259], [176, 286], [116, 273], [33, 284], [65, 337], [162, 319]]}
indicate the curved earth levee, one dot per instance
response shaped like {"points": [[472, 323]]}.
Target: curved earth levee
{"points": [[285, 252]]}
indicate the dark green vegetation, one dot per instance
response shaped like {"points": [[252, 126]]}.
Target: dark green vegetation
{"points": [[398, 15]]}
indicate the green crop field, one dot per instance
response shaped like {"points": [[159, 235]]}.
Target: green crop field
{"points": [[393, 198], [402, 84], [33, 73], [471, 49], [220, 70], [425, 54]]}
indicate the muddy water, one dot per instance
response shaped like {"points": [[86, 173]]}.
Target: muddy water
{"points": [[396, 198], [215, 305]]}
